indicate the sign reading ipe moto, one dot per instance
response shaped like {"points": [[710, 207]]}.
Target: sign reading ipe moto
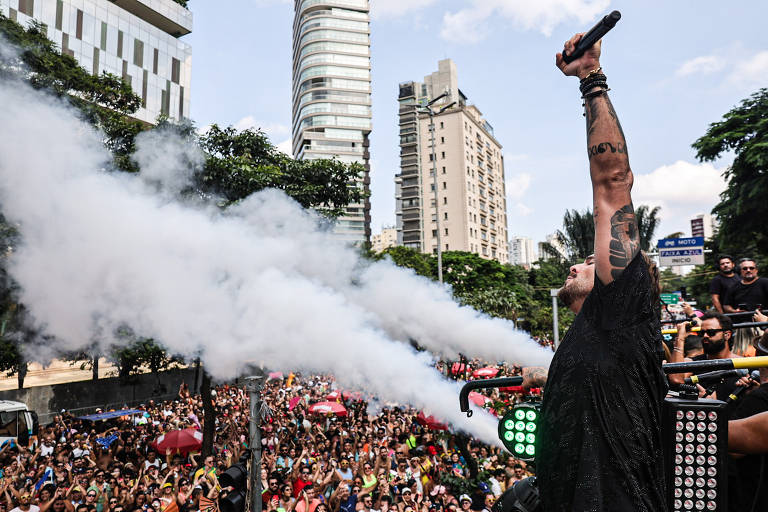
{"points": [[681, 251]]}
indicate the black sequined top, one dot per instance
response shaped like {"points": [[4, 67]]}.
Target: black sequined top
{"points": [[599, 444]]}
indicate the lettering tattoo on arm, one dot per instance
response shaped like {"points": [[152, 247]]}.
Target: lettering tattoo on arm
{"points": [[625, 242], [615, 147]]}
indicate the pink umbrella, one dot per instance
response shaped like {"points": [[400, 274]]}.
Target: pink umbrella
{"points": [[485, 373], [275, 376], [328, 408], [179, 441], [430, 422]]}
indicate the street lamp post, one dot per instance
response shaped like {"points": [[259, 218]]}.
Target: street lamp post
{"points": [[427, 109]]}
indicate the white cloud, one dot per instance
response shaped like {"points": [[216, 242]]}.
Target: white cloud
{"points": [[468, 24], [273, 130], [286, 147], [522, 210], [518, 184], [705, 64], [397, 8], [753, 70], [682, 189]]}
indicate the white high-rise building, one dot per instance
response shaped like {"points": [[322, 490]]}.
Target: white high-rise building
{"points": [[137, 40], [522, 251], [554, 243], [332, 93]]}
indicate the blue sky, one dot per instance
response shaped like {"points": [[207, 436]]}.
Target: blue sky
{"points": [[673, 68]]}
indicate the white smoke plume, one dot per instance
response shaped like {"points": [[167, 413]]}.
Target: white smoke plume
{"points": [[261, 283]]}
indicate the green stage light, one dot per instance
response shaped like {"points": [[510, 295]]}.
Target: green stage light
{"points": [[517, 430]]}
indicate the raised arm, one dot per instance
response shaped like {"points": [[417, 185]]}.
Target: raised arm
{"points": [[616, 235]]}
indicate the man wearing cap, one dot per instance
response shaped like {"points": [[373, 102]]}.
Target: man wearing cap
{"points": [[465, 502]]}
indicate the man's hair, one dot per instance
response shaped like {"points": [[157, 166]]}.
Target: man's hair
{"points": [[742, 260], [692, 342], [653, 273], [725, 321], [724, 257]]}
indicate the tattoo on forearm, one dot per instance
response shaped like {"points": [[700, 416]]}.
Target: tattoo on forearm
{"points": [[593, 112], [615, 147], [615, 117], [535, 376], [625, 242]]}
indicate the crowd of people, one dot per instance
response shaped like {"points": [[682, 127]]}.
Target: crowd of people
{"points": [[361, 459], [355, 460]]}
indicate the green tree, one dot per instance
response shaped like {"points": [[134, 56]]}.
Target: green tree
{"points": [[408, 258], [647, 222], [742, 209], [241, 163]]}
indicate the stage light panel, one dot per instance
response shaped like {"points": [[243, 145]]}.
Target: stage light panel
{"points": [[695, 454], [518, 430]]}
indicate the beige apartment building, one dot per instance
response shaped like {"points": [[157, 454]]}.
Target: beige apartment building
{"points": [[387, 238], [471, 195]]}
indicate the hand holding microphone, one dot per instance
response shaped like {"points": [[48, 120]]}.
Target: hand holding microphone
{"points": [[581, 53]]}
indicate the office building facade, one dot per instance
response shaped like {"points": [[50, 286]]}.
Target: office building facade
{"points": [[137, 40], [332, 94], [387, 238], [471, 193]]}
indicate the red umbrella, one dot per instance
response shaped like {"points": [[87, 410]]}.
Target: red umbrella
{"points": [[430, 422], [179, 441], [485, 373], [334, 396], [328, 408], [478, 399]]}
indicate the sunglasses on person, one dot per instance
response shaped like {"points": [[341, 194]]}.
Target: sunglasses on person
{"points": [[748, 268], [91, 495], [710, 332]]}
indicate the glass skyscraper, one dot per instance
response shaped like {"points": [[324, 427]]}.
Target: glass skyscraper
{"points": [[332, 93]]}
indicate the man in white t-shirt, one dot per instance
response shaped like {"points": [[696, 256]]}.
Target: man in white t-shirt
{"points": [[25, 505]]}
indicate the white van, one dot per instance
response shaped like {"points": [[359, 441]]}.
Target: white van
{"points": [[17, 423]]}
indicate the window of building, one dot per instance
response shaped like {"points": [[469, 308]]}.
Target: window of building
{"points": [[155, 59], [138, 53], [442, 125], [60, 14], [442, 155], [432, 187], [493, 253], [445, 215], [79, 25], [445, 200], [103, 42], [485, 251], [120, 44], [431, 157], [175, 70], [95, 60], [446, 233], [27, 7], [434, 233], [443, 169], [445, 185], [442, 140], [446, 247]]}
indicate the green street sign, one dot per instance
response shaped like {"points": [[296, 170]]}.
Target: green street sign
{"points": [[670, 298]]}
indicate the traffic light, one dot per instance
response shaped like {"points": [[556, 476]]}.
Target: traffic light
{"points": [[518, 429], [236, 476], [695, 454]]}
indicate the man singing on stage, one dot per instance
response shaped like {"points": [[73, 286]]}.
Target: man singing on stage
{"points": [[600, 430]]}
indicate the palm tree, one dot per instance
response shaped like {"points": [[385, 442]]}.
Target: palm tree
{"points": [[647, 222], [578, 234]]}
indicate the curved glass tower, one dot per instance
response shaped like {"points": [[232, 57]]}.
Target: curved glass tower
{"points": [[332, 93]]}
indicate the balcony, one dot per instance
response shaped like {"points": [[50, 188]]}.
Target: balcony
{"points": [[166, 15]]}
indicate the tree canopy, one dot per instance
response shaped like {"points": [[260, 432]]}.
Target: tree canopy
{"points": [[742, 209]]}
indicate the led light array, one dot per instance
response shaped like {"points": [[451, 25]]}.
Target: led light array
{"points": [[518, 430], [696, 454]]}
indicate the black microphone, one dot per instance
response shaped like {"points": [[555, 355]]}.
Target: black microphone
{"points": [[593, 36], [706, 378], [754, 376]]}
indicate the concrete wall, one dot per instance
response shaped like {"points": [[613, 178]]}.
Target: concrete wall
{"points": [[84, 397]]}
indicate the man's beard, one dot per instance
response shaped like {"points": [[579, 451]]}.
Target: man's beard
{"points": [[572, 292], [713, 347]]}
